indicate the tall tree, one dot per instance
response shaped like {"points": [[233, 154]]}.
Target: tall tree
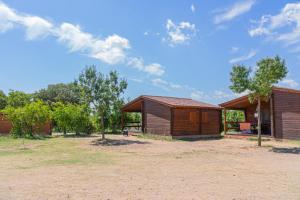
{"points": [[61, 92], [269, 71], [102, 92], [3, 100]]}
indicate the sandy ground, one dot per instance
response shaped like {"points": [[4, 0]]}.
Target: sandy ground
{"points": [[153, 169]]}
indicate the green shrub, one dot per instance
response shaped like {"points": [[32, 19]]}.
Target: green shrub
{"points": [[71, 117], [27, 119]]}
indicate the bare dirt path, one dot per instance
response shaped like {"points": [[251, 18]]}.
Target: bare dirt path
{"points": [[153, 169]]}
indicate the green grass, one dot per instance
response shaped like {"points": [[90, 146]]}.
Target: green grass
{"points": [[49, 152], [155, 137]]}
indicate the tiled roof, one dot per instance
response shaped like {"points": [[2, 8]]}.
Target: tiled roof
{"points": [[179, 102]]}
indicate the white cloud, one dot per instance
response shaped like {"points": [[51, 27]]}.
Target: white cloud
{"points": [[219, 94], [250, 55], [284, 27], [291, 83], [234, 49], [35, 27], [193, 8], [179, 33], [153, 68], [111, 50], [199, 95], [235, 10]]}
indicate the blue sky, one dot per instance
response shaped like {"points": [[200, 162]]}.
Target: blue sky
{"points": [[175, 48]]}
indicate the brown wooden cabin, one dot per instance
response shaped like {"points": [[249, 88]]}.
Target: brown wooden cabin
{"points": [[280, 115], [6, 126], [176, 117]]}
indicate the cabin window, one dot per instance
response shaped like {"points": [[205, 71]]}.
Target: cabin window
{"points": [[204, 117]]}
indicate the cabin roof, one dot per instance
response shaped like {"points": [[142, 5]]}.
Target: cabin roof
{"points": [[174, 102], [242, 102]]}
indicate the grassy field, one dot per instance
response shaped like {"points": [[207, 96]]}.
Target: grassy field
{"points": [[148, 167], [49, 152]]}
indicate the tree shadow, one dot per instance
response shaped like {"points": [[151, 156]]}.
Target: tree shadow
{"points": [[116, 142], [292, 150]]}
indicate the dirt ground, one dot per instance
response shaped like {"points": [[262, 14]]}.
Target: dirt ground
{"points": [[133, 168]]}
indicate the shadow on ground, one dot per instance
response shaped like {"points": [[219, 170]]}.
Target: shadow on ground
{"points": [[200, 139], [116, 142], [291, 150]]}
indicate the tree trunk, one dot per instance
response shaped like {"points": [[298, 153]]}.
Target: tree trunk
{"points": [[65, 131], [259, 122], [102, 127]]}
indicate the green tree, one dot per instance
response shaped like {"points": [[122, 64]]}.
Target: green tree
{"points": [[3, 100], [65, 93], [18, 98], [101, 92], [269, 71], [62, 117], [28, 119], [72, 117]]}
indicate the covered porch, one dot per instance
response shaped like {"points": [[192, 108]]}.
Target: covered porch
{"points": [[132, 116], [248, 126]]}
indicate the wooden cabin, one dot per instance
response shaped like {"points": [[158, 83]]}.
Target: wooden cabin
{"points": [[6, 126], [176, 117], [280, 115]]}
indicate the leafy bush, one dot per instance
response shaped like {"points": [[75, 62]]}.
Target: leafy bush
{"points": [[71, 117], [27, 119]]}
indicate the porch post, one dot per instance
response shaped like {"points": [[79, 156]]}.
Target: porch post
{"points": [[225, 121], [122, 119], [272, 116]]}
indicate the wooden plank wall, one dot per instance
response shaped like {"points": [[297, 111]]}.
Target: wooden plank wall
{"points": [[211, 120], [287, 115], [5, 125], [157, 118], [186, 122]]}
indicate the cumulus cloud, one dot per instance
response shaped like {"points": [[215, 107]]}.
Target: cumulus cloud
{"points": [[291, 83], [153, 68], [179, 33], [111, 49], [248, 56], [283, 27], [232, 12]]}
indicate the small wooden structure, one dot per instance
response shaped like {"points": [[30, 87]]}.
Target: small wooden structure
{"points": [[280, 115], [176, 117]]}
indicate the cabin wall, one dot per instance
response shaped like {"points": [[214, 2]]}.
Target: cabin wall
{"points": [[186, 122], [211, 120], [286, 115], [157, 118], [196, 122]]}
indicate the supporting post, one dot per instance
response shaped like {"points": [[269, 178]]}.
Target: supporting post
{"points": [[272, 116], [225, 121], [122, 119], [259, 121]]}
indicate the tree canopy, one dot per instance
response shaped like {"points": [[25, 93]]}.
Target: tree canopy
{"points": [[102, 92], [3, 100], [61, 92], [269, 71], [18, 98]]}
